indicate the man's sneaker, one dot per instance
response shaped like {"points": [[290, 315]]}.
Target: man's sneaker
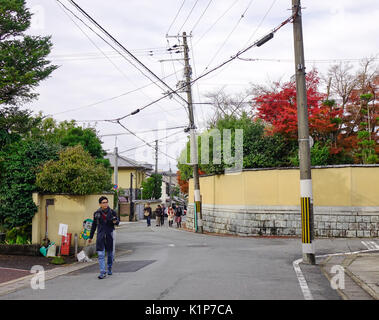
{"points": [[102, 276], [110, 272]]}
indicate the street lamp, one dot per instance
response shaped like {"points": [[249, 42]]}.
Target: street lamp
{"points": [[141, 192]]}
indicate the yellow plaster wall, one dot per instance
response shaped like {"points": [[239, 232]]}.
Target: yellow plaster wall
{"points": [[70, 210], [344, 186]]}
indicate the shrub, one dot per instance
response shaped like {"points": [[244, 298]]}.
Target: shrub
{"points": [[76, 172]]}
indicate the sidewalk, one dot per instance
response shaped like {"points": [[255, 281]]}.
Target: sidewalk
{"points": [[361, 274], [25, 279]]}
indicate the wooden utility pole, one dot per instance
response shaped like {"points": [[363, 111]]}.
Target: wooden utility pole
{"points": [[194, 159], [306, 194]]}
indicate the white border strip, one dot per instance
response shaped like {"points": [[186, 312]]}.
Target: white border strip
{"points": [[303, 283]]}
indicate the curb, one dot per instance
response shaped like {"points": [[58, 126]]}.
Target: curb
{"points": [[24, 282], [349, 258]]}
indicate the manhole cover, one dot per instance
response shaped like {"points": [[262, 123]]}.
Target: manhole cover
{"points": [[118, 267]]}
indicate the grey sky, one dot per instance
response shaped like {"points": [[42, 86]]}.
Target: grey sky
{"points": [[340, 29]]}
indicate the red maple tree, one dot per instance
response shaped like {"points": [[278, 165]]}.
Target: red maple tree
{"points": [[278, 108]]}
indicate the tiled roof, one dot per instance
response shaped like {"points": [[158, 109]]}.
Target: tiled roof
{"points": [[124, 162]]}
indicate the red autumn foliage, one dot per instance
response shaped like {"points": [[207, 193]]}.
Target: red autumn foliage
{"points": [[183, 184], [278, 108]]}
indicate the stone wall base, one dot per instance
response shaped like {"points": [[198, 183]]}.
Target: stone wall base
{"points": [[343, 222]]}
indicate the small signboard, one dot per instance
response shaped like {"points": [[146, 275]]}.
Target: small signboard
{"points": [[115, 186], [63, 229]]}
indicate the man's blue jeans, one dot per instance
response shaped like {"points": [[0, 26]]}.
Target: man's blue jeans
{"points": [[101, 255]]}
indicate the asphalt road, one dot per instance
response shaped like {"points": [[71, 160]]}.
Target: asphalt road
{"points": [[166, 263]]}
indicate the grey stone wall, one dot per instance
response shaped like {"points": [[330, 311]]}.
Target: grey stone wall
{"points": [[286, 221]]}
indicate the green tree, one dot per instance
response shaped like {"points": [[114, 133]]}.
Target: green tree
{"points": [[259, 149], [15, 124], [68, 134], [18, 167], [152, 187], [76, 172], [23, 62]]}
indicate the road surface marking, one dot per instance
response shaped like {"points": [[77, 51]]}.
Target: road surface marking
{"points": [[303, 283], [372, 245]]}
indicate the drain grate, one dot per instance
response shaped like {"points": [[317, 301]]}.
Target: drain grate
{"points": [[118, 267]]}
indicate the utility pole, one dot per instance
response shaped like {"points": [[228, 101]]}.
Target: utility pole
{"points": [[156, 156], [116, 172], [306, 194], [170, 189], [197, 208], [131, 198]]}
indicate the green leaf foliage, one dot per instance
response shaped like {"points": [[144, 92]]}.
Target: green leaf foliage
{"points": [[23, 61], [259, 149], [18, 166], [76, 172], [152, 187]]}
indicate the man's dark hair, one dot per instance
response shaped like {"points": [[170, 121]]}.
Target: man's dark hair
{"points": [[102, 198]]}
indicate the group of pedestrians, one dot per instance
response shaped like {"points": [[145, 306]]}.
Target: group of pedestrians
{"points": [[173, 213]]}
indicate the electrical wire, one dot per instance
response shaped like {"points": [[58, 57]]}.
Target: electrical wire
{"points": [[127, 51], [211, 27], [175, 17], [233, 57], [137, 147], [229, 35], [188, 17], [201, 16]]}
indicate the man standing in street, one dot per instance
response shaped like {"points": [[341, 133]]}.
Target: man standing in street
{"points": [[148, 214], [104, 219]]}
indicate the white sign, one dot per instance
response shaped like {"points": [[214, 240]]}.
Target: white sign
{"points": [[63, 229]]}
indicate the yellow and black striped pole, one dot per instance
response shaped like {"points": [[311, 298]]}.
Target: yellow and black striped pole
{"points": [[303, 136]]}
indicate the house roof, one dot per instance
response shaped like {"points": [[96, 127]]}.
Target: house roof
{"points": [[124, 162]]}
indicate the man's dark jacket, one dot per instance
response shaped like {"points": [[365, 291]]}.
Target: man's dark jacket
{"points": [[104, 229]]}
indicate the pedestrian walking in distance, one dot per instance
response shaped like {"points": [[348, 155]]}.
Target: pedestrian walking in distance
{"points": [[171, 215], [104, 219], [147, 214], [178, 217], [163, 213], [158, 215]]}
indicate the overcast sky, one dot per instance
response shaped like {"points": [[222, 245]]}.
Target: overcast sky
{"points": [[91, 72]]}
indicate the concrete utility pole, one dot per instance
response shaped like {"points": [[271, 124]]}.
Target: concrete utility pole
{"points": [[170, 188], [116, 171], [306, 195], [156, 156], [131, 198], [194, 158]]}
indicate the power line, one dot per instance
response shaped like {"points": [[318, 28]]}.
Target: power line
{"points": [[147, 143], [261, 22], [127, 51], [137, 147], [152, 130], [198, 20], [211, 27], [188, 16], [173, 21], [230, 34], [257, 43]]}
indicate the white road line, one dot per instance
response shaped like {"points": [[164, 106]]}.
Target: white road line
{"points": [[15, 269], [303, 284], [371, 245]]}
